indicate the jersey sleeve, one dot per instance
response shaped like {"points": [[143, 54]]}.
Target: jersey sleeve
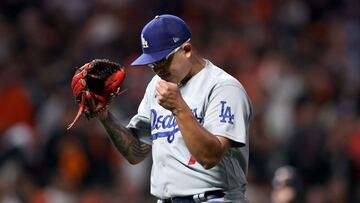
{"points": [[140, 123], [228, 113]]}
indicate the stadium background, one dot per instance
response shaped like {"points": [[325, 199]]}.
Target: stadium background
{"points": [[298, 59]]}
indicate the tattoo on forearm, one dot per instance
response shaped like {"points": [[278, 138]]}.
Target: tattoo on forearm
{"points": [[125, 142]]}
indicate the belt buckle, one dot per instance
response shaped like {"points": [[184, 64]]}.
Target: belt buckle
{"points": [[198, 198], [203, 197]]}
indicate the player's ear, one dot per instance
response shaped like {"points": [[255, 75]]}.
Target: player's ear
{"points": [[187, 49]]}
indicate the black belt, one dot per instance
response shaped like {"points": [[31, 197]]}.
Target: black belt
{"points": [[195, 198]]}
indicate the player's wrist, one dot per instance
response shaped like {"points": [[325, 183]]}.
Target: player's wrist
{"points": [[177, 112], [102, 115], [181, 110]]}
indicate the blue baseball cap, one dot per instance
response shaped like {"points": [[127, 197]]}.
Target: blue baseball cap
{"points": [[160, 36]]}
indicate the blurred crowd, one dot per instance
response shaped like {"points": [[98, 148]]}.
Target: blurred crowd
{"points": [[299, 60]]}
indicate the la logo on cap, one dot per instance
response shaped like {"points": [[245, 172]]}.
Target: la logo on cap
{"points": [[161, 36], [144, 42], [176, 39]]}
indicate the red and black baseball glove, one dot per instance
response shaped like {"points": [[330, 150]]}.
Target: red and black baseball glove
{"points": [[94, 85]]}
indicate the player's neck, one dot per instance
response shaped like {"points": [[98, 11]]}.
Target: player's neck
{"points": [[197, 65]]}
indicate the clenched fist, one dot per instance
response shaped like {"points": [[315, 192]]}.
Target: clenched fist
{"points": [[169, 96]]}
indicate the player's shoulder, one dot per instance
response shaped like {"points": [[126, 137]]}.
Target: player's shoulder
{"points": [[220, 77], [150, 88], [154, 80]]}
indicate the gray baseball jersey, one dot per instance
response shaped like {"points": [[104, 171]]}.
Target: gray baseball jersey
{"points": [[220, 104]]}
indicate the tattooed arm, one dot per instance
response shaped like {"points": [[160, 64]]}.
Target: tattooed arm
{"points": [[124, 139]]}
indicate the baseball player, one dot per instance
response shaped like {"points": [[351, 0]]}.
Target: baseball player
{"points": [[194, 119]]}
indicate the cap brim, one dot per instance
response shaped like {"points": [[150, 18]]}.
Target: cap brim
{"points": [[145, 59]]}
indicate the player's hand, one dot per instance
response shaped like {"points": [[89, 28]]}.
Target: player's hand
{"points": [[169, 96]]}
